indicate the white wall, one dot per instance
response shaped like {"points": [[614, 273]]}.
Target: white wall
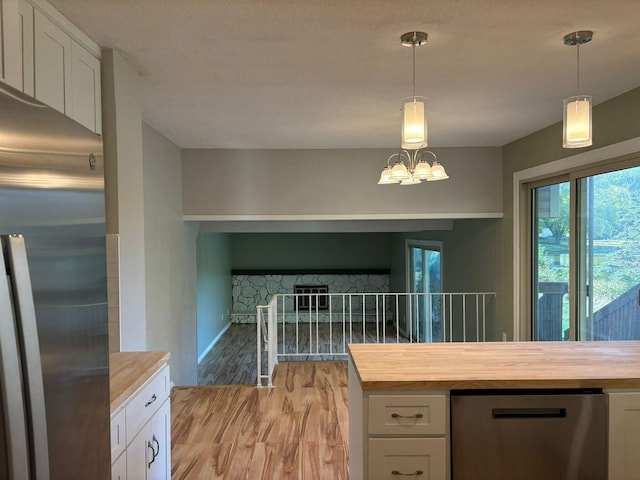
{"points": [[170, 258], [122, 127], [314, 184]]}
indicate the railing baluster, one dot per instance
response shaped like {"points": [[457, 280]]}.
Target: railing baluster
{"points": [[350, 320], [477, 319], [295, 304], [364, 332], [317, 326], [330, 326], [284, 323], [344, 325], [450, 318], [377, 320], [397, 319], [464, 317]]}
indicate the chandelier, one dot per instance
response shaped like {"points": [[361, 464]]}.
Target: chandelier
{"points": [[411, 166]]}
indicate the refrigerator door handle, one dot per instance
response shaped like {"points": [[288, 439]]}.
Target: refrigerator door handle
{"points": [[30, 347], [11, 387]]}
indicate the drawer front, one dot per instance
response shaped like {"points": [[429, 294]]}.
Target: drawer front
{"points": [[420, 458], [146, 401], [118, 434], [407, 414]]}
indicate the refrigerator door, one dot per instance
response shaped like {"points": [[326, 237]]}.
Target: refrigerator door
{"points": [[14, 455], [52, 193], [27, 334]]}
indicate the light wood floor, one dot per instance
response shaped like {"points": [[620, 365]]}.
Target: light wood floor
{"points": [[296, 430], [232, 361]]}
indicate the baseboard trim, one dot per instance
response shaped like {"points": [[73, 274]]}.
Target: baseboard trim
{"points": [[213, 342]]}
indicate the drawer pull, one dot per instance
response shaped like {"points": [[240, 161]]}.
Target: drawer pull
{"points": [[416, 416], [153, 399], [417, 473]]}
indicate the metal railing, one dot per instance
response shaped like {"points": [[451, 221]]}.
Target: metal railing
{"points": [[320, 326]]}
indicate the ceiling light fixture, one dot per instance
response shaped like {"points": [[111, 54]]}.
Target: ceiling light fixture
{"points": [[411, 167], [576, 118]]}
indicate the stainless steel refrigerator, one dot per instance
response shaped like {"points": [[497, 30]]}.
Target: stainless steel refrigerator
{"points": [[54, 356]]}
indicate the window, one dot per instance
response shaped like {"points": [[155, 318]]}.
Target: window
{"points": [[584, 246]]}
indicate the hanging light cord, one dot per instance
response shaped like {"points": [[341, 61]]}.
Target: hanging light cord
{"points": [[413, 52], [578, 72]]}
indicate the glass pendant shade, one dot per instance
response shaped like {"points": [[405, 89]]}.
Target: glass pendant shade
{"points": [[422, 171], [437, 172], [414, 123], [400, 172], [386, 178], [577, 130]]}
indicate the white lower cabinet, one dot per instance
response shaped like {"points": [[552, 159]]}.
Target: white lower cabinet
{"points": [[149, 455], [119, 468], [624, 435], [146, 419]]}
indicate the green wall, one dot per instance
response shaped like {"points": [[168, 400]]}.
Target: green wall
{"points": [[614, 121], [213, 267], [472, 259], [300, 251]]}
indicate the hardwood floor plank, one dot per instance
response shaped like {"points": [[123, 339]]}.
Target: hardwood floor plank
{"points": [[296, 430]]}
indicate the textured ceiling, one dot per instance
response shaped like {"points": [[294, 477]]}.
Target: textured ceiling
{"points": [[331, 73]]}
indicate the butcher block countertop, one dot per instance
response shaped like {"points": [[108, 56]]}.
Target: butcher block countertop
{"points": [[129, 370], [497, 365]]}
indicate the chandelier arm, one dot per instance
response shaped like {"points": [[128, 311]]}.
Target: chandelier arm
{"points": [[390, 157], [434, 155]]}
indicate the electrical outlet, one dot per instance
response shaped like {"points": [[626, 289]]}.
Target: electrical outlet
{"points": [[504, 336]]}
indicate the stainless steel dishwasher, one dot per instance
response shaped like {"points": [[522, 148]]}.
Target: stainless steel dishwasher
{"points": [[527, 435]]}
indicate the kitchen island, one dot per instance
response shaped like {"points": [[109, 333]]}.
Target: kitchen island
{"points": [[399, 396]]}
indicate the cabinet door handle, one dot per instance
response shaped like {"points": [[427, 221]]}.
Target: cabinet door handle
{"points": [[153, 399], [157, 452], [397, 473], [153, 456], [416, 416]]}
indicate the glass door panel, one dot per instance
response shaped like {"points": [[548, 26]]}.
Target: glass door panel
{"points": [[425, 276], [608, 256], [550, 262]]}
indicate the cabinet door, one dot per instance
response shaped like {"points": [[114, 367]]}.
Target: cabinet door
{"points": [[160, 468], [119, 468], [624, 436], [85, 88], [52, 64], [139, 454], [26, 38], [10, 65]]}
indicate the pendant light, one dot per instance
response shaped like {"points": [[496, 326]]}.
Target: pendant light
{"points": [[410, 167], [577, 118]]}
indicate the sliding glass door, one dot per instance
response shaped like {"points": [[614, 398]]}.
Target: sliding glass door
{"points": [[550, 261], [425, 277], [608, 256], [585, 255]]}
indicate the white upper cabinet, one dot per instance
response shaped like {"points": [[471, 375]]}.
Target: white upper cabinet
{"points": [[26, 40], [10, 63], [47, 57], [53, 65], [85, 88]]}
